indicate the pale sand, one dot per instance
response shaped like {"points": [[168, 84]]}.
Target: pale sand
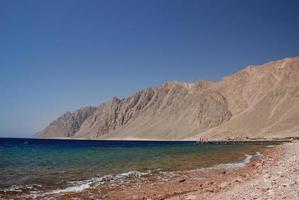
{"points": [[276, 178]]}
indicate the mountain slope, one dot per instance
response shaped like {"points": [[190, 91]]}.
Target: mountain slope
{"points": [[264, 101], [67, 124], [258, 101]]}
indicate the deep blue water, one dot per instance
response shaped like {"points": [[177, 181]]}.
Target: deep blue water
{"points": [[55, 163]]}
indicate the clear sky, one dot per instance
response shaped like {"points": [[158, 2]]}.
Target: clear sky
{"points": [[59, 55]]}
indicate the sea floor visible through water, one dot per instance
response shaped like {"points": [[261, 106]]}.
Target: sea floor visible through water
{"points": [[41, 168]]}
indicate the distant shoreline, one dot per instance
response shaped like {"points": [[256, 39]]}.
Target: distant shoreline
{"points": [[231, 141]]}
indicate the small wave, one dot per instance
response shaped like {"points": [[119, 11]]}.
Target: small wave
{"points": [[258, 154], [134, 173], [78, 186], [13, 188], [22, 188], [241, 164]]}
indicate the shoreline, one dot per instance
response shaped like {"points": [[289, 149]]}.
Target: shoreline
{"points": [[198, 141], [227, 180], [214, 183], [274, 176]]}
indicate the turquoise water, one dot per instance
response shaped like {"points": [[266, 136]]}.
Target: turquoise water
{"points": [[53, 164]]}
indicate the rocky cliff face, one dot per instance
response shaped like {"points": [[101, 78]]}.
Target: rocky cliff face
{"points": [[155, 111], [257, 101], [67, 124]]}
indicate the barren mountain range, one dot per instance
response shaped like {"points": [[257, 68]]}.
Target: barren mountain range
{"points": [[258, 101]]}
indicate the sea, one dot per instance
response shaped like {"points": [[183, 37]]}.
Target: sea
{"points": [[44, 166]]}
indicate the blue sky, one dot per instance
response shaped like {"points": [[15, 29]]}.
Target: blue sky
{"points": [[59, 55]]}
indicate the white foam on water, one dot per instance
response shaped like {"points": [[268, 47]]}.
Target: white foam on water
{"points": [[21, 188], [13, 188], [258, 154], [241, 164], [75, 186], [133, 173], [78, 186]]}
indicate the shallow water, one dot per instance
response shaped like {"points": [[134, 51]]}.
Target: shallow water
{"points": [[70, 165]]}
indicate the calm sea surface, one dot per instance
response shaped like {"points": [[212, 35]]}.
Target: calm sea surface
{"points": [[54, 164]]}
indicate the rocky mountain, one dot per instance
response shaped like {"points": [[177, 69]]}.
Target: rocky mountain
{"points": [[258, 101], [67, 124]]}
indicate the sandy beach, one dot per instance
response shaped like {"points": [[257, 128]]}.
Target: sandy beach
{"points": [[274, 176]]}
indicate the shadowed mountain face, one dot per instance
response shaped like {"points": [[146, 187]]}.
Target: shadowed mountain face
{"points": [[258, 101], [67, 124]]}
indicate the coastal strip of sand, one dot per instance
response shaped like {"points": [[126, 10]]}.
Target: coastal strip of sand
{"points": [[274, 176]]}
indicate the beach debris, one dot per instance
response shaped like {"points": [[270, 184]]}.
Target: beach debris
{"points": [[182, 180]]}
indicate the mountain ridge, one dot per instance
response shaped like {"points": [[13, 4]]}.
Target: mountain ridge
{"points": [[257, 101]]}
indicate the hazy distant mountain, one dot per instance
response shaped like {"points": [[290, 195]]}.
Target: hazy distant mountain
{"points": [[258, 101]]}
